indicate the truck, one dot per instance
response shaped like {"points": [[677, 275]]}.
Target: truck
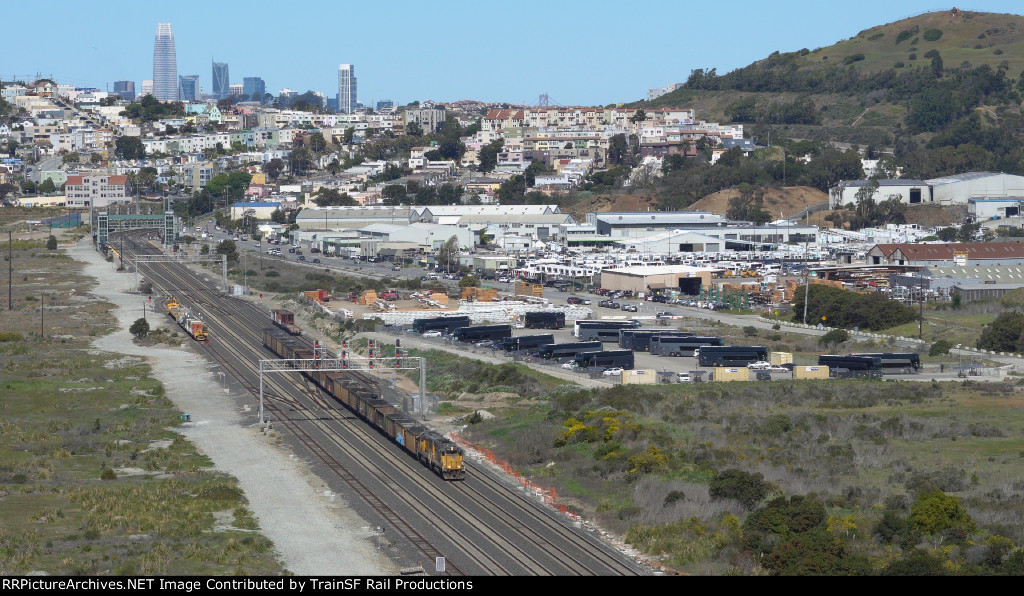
{"points": [[544, 320], [389, 294]]}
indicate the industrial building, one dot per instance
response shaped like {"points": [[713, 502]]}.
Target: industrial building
{"points": [[948, 190], [647, 279]]}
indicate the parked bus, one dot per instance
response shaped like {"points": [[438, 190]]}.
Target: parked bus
{"points": [[671, 345], [896, 362], [580, 325], [605, 359], [730, 355], [482, 332], [544, 320], [445, 324], [851, 366], [526, 342], [557, 351], [639, 340]]}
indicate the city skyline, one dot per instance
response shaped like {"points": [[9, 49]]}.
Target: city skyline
{"points": [[593, 53]]}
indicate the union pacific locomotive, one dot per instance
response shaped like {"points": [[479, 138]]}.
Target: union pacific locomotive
{"points": [[436, 452]]}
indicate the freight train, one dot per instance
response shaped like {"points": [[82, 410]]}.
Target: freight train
{"points": [[435, 451], [191, 323], [285, 319]]}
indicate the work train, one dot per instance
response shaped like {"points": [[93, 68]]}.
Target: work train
{"points": [[191, 323], [285, 319], [435, 451]]}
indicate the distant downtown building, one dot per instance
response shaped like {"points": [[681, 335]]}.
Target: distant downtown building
{"points": [[221, 80], [346, 88], [165, 64], [147, 88], [188, 87], [251, 85], [125, 90]]}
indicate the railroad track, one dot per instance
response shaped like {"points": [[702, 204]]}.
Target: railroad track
{"points": [[485, 527]]}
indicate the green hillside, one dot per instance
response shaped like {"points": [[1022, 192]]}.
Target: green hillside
{"points": [[862, 89]]}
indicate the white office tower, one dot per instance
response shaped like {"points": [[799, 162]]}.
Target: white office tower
{"points": [[346, 88], [165, 64]]}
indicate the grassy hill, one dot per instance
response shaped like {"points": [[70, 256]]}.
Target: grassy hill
{"points": [[873, 114]]}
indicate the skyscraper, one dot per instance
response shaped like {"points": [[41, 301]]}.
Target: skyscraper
{"points": [[147, 88], [221, 80], [188, 87], [165, 64], [125, 90], [254, 85], [346, 88]]}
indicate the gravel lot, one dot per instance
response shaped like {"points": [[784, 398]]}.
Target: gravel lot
{"points": [[313, 530]]}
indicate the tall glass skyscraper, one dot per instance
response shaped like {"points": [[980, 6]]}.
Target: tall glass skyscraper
{"points": [[188, 87], [165, 64], [221, 80], [254, 85], [125, 90], [346, 88]]}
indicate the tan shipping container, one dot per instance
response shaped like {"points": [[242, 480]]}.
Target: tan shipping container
{"points": [[810, 372], [780, 358], [732, 374], [639, 377], [523, 288]]}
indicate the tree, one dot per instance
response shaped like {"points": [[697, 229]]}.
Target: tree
{"points": [[229, 249], [485, 238], [1003, 334], [317, 142], [833, 338], [48, 187], [618, 150], [488, 155], [28, 187], [639, 116], [51, 242], [512, 191], [140, 328], [331, 197], [469, 281], [394, 194], [7, 189], [273, 168], [413, 129], [70, 158], [448, 254], [129, 148]]}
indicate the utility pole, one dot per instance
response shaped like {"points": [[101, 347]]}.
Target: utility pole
{"points": [[10, 271]]}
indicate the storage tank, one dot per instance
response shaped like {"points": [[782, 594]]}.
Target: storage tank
{"points": [[810, 372], [780, 358], [731, 374]]}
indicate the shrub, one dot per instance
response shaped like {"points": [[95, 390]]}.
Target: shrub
{"points": [[140, 328], [931, 53], [912, 57], [998, 52], [271, 273], [51, 243], [932, 34], [745, 487], [898, 64], [750, 331], [853, 58], [907, 34], [108, 474], [940, 347]]}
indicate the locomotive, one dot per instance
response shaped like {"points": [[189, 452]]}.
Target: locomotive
{"points": [[434, 450], [191, 323]]}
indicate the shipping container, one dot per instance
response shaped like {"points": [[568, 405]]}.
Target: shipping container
{"points": [[731, 374], [810, 372], [780, 358], [639, 377]]}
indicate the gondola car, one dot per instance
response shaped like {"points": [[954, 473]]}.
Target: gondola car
{"points": [[434, 450]]}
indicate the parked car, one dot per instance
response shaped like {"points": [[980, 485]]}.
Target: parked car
{"points": [[778, 368], [570, 365], [614, 305], [316, 260], [763, 375], [629, 307], [574, 300], [612, 372], [684, 378], [759, 365], [302, 257], [396, 267], [432, 334]]}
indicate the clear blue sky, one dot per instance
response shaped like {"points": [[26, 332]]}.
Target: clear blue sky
{"points": [[580, 53]]}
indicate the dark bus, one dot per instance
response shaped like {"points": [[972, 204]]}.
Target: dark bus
{"points": [[444, 324], [482, 332], [581, 325], [605, 359], [526, 342], [544, 320], [556, 351], [639, 340], [851, 366], [896, 362], [671, 345], [730, 355]]}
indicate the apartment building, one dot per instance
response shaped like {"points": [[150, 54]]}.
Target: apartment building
{"points": [[95, 190]]}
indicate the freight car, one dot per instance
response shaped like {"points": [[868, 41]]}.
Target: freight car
{"points": [[191, 323], [285, 319], [435, 451]]}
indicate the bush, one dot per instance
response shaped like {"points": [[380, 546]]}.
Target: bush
{"points": [[932, 34], [742, 486], [271, 273], [140, 328], [750, 331], [853, 58], [51, 243], [940, 347], [108, 474]]}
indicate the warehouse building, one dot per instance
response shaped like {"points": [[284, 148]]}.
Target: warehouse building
{"points": [[649, 279]]}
